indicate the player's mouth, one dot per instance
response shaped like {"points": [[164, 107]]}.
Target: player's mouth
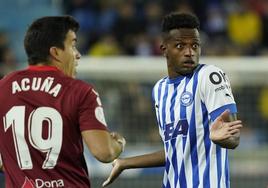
{"points": [[189, 64]]}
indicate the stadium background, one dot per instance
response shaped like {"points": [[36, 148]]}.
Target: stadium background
{"points": [[119, 43]]}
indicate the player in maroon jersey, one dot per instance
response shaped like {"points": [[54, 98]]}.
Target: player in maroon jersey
{"points": [[46, 113]]}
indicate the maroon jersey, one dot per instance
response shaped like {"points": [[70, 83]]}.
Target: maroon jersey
{"points": [[42, 115]]}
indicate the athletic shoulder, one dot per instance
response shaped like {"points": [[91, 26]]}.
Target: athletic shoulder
{"points": [[207, 69], [156, 86], [160, 82]]}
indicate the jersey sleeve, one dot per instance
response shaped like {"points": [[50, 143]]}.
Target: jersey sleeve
{"points": [[91, 115], [216, 91]]}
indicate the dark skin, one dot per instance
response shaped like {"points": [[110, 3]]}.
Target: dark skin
{"points": [[181, 47]]}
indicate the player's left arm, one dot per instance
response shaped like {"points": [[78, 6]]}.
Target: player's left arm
{"points": [[217, 95], [225, 130]]}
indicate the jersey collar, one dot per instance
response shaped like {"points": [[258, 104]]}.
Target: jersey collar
{"points": [[42, 68]]}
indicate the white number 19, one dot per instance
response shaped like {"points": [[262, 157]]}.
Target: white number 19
{"points": [[51, 145]]}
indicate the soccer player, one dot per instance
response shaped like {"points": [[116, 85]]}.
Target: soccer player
{"points": [[46, 113], [196, 114]]}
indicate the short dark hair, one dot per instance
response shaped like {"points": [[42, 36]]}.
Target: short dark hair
{"points": [[46, 32], [180, 20]]}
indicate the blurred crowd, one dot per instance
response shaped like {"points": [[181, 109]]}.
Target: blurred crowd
{"points": [[7, 56], [133, 27]]}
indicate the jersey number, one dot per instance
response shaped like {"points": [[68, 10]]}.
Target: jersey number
{"points": [[51, 145]]}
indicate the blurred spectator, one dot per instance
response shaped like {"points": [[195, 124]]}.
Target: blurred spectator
{"points": [[143, 45], [245, 28], [107, 15], [106, 46], [127, 27], [264, 19], [215, 25], [7, 57]]}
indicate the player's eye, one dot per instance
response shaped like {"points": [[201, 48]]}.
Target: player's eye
{"points": [[196, 45], [179, 45]]}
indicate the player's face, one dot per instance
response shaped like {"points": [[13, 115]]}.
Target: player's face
{"points": [[182, 50], [70, 55]]}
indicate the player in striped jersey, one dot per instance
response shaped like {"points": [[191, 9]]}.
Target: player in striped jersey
{"points": [[196, 114]]}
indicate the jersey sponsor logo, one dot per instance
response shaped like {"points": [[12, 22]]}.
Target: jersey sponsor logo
{"points": [[186, 98], [50, 183], [172, 130], [36, 84], [217, 77], [39, 183], [222, 87], [28, 183]]}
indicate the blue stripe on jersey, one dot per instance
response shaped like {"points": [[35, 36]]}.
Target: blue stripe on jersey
{"points": [[168, 184], [174, 160], [182, 177], [206, 176], [193, 139], [173, 141], [183, 112], [227, 180], [217, 112], [219, 167], [172, 115], [167, 160], [164, 103]]}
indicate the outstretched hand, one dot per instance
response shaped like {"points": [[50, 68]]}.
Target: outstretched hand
{"points": [[116, 171], [223, 129]]}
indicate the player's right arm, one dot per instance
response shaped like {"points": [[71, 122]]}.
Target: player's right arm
{"points": [[103, 145], [142, 161]]}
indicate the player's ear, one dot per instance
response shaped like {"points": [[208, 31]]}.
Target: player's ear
{"points": [[163, 49], [54, 53]]}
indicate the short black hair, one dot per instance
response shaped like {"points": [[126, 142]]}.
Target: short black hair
{"points": [[178, 20], [46, 32]]}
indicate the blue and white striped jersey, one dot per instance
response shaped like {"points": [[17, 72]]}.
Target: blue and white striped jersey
{"points": [[185, 108]]}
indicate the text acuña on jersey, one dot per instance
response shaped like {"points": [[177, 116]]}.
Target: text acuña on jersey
{"points": [[36, 84]]}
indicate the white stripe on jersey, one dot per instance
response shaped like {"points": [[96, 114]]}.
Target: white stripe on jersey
{"points": [[185, 107]]}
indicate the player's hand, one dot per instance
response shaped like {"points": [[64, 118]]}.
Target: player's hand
{"points": [[222, 129], [116, 171], [120, 139]]}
